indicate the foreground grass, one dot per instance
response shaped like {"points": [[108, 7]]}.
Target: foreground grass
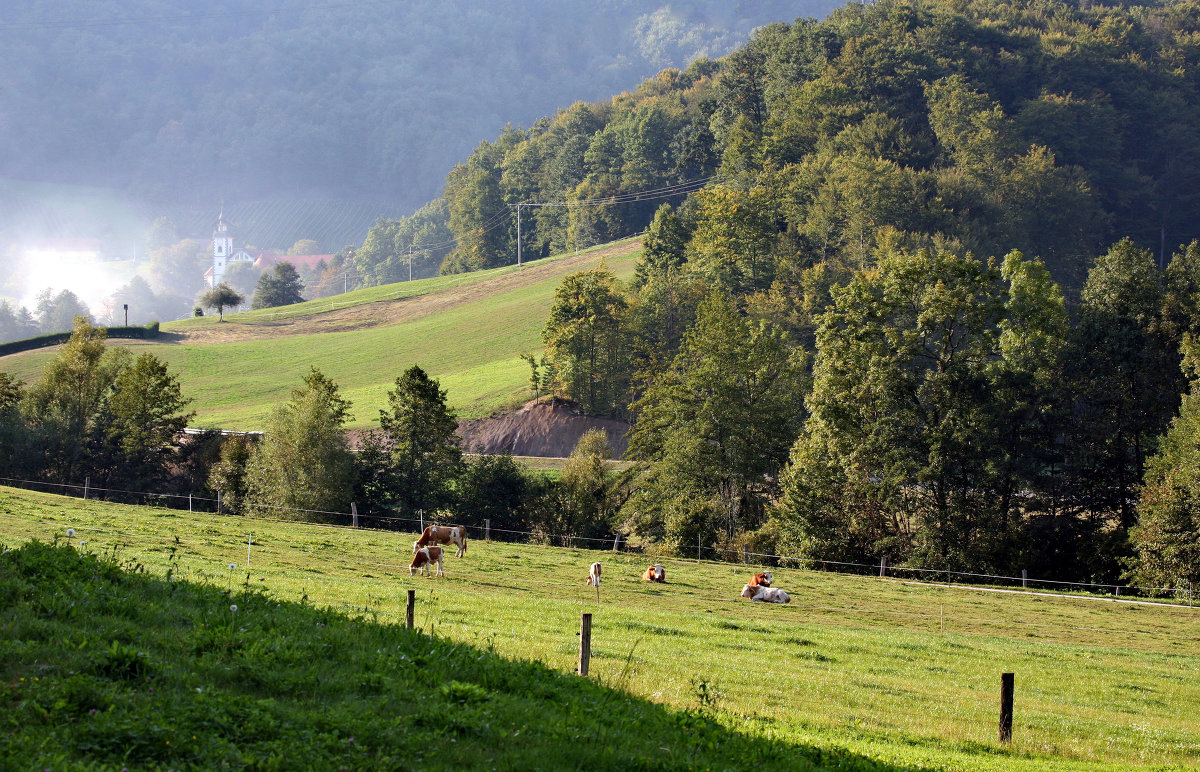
{"points": [[472, 345], [895, 674]]}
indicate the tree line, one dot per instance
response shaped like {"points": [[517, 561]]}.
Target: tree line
{"points": [[102, 416], [942, 411]]}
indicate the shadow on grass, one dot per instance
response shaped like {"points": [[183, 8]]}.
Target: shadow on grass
{"points": [[106, 666]]}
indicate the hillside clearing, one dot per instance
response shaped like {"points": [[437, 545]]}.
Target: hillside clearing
{"points": [[467, 330], [899, 673]]}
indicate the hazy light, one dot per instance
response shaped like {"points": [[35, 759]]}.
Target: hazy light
{"points": [[81, 271]]}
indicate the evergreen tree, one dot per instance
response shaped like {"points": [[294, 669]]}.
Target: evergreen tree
{"points": [[280, 286], [419, 431]]}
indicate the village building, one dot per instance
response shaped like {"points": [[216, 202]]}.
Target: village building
{"points": [[225, 255]]}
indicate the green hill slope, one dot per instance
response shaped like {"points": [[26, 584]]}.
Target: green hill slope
{"points": [[876, 674], [467, 330]]}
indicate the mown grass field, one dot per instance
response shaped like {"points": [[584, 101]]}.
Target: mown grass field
{"points": [[469, 334], [903, 675]]}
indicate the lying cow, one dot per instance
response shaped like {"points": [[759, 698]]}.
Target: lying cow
{"points": [[655, 573], [423, 557], [765, 594], [443, 534], [761, 580], [594, 575]]}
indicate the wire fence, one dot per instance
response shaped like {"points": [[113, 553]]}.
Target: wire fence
{"points": [[704, 554], [377, 607]]}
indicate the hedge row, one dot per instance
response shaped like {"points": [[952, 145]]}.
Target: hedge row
{"points": [[54, 339]]}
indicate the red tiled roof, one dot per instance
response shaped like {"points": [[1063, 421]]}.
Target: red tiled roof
{"points": [[266, 261]]}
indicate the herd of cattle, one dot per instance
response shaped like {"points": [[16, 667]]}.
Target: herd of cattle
{"points": [[426, 552]]}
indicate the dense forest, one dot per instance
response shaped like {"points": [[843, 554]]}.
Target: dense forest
{"points": [[178, 104], [917, 285], [1049, 127]]}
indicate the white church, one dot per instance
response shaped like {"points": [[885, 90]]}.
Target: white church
{"points": [[224, 255]]}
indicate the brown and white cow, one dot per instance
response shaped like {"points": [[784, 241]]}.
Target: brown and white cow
{"points": [[761, 580], [766, 594], [443, 534], [655, 573], [423, 557], [594, 575]]}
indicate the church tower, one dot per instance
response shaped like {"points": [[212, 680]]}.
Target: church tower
{"points": [[222, 247]]}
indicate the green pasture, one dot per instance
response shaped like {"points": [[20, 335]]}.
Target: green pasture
{"points": [[473, 349], [906, 675]]}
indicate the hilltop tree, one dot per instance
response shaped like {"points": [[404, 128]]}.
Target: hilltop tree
{"points": [[221, 297], [280, 286]]}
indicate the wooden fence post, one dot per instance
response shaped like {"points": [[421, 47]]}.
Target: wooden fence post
{"points": [[1006, 707], [353, 515], [87, 483], [697, 549], [1024, 577], [487, 530], [189, 503], [249, 539], [616, 542], [883, 566], [745, 554], [421, 514], [218, 502], [412, 602], [585, 643]]}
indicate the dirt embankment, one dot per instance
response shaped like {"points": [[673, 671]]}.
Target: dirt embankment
{"points": [[550, 428]]}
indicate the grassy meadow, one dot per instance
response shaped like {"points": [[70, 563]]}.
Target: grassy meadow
{"points": [[469, 333], [882, 674]]}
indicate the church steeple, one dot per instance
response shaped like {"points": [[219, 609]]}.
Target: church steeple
{"points": [[222, 246]]}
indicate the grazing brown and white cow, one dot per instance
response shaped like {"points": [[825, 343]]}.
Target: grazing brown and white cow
{"points": [[443, 534], [765, 594], [761, 580], [423, 557], [655, 573], [594, 575]]}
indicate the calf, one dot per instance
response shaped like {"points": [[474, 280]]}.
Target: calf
{"points": [[594, 575], [761, 580], [423, 557], [655, 573], [443, 534], [765, 594]]}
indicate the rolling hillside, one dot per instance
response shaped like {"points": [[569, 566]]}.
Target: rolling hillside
{"points": [[856, 673], [467, 330]]}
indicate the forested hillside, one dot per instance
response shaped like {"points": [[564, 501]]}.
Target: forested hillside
{"points": [[1048, 127], [921, 289], [245, 100]]}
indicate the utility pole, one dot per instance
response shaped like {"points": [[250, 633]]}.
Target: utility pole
{"points": [[126, 314], [410, 262], [518, 235]]}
